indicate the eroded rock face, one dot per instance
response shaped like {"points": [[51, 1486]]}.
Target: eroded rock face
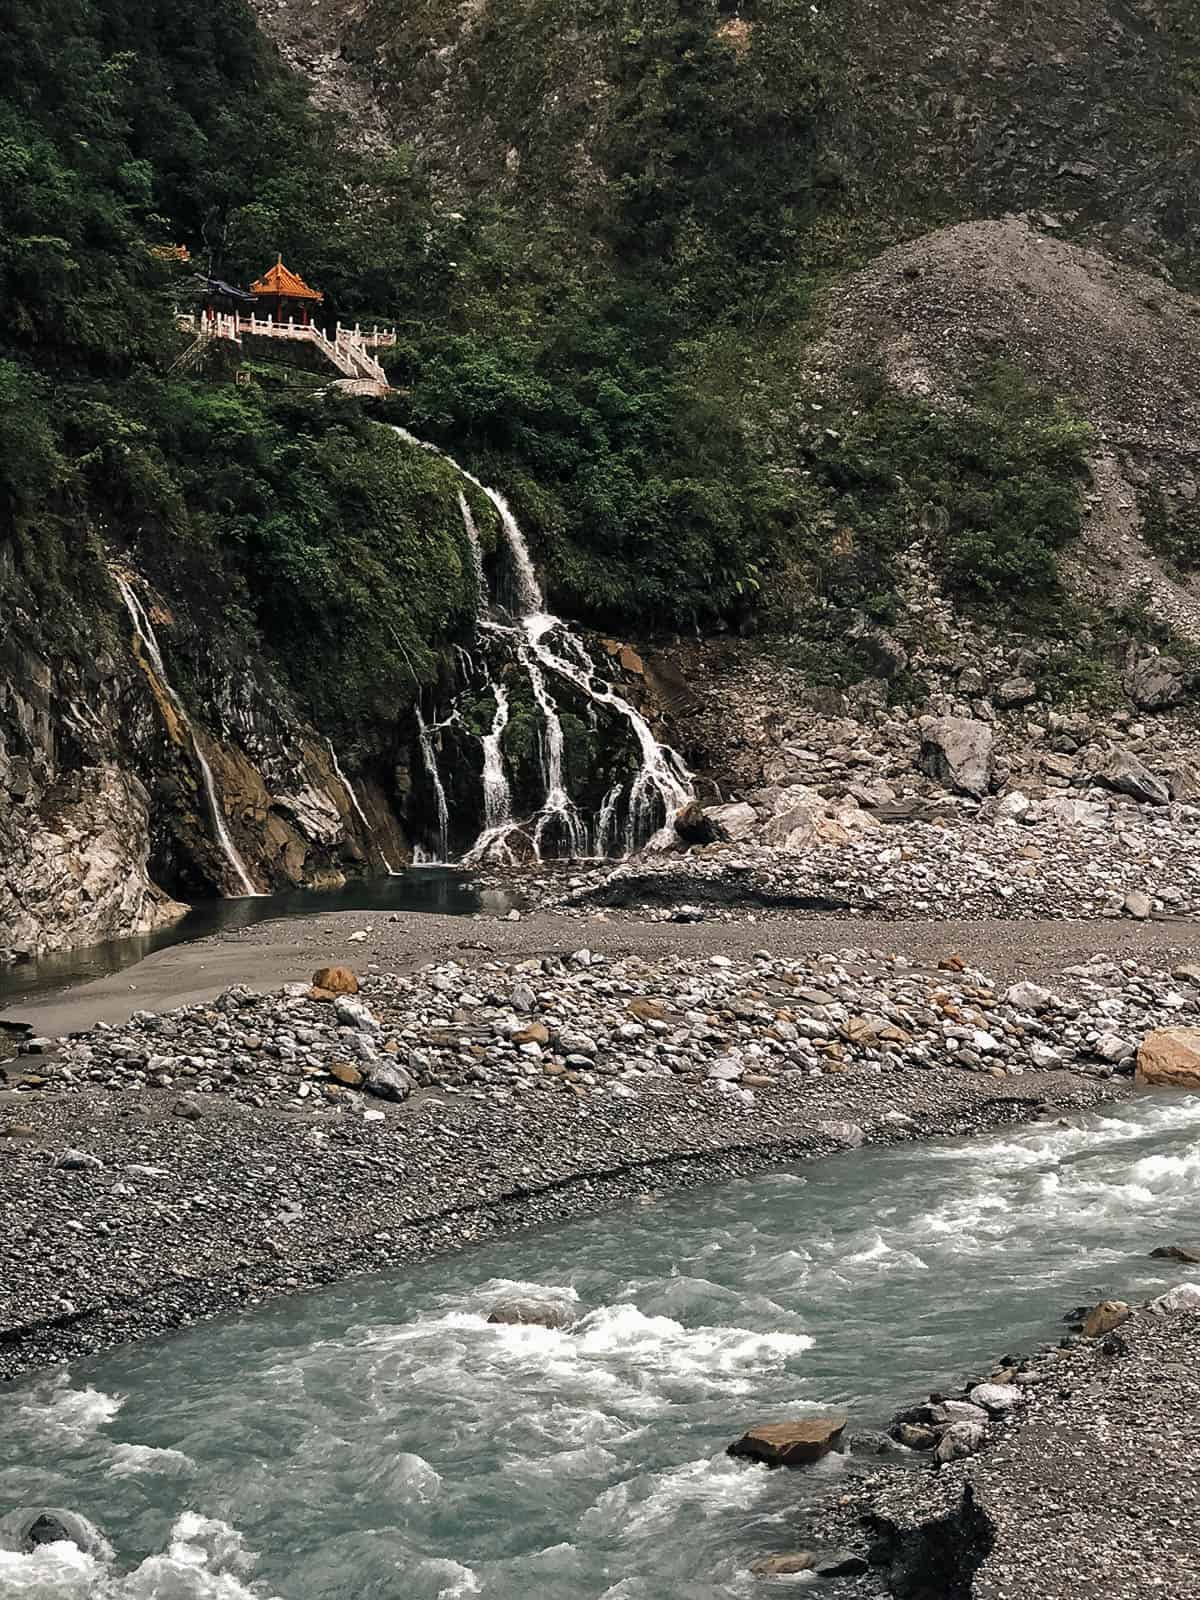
{"points": [[959, 753], [73, 869], [1155, 683], [790, 1444], [1170, 1057]]}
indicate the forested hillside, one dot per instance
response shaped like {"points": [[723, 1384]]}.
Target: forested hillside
{"points": [[622, 249]]}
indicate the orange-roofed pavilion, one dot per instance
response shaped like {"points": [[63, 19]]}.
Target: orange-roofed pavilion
{"points": [[283, 293]]}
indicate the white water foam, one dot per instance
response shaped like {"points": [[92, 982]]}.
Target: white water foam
{"points": [[205, 1559], [63, 1411], [129, 1460]]}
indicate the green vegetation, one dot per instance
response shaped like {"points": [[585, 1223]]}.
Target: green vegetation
{"points": [[989, 488], [626, 372]]}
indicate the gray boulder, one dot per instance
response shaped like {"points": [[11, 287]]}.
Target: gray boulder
{"points": [[958, 753], [735, 820], [1156, 682], [1183, 781], [1015, 692], [961, 1439], [534, 1313], [1124, 773], [389, 1082]]}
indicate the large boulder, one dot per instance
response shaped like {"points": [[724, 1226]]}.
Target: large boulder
{"points": [[1156, 682], [534, 1313], [1124, 773], [1183, 781], [785, 1566], [335, 980], [694, 825], [1102, 1319], [389, 1082], [958, 753], [790, 1444], [1170, 1058], [961, 1439], [735, 821]]}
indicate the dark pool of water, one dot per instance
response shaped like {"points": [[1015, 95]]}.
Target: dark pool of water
{"points": [[437, 889]]}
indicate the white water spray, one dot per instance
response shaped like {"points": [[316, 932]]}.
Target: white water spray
{"points": [[606, 825], [153, 662], [662, 783]]}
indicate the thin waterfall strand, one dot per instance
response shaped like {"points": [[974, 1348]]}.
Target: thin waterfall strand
{"points": [[353, 799], [429, 755], [144, 632]]}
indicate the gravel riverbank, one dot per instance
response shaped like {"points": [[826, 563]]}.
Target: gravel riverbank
{"points": [[1086, 1489], [184, 1164]]}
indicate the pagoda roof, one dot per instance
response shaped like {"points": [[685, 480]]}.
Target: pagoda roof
{"points": [[281, 281]]}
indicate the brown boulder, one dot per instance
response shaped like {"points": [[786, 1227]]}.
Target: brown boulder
{"points": [[335, 980], [535, 1033], [647, 1010], [345, 1073], [790, 1444], [1102, 1319], [1170, 1057], [783, 1566]]}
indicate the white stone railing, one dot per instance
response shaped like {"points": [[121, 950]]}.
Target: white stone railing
{"points": [[348, 350]]}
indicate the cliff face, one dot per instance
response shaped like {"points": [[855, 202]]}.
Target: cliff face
{"points": [[931, 112], [105, 813]]}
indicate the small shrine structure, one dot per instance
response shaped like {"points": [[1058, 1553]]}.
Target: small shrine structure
{"points": [[281, 293], [280, 305]]}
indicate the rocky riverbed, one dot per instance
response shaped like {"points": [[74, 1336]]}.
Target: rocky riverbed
{"points": [[197, 1160], [1014, 858], [1066, 1479]]}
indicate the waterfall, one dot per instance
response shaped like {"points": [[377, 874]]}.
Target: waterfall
{"points": [[425, 735], [353, 799], [153, 664], [557, 805], [476, 550], [662, 783], [492, 844], [497, 797], [606, 825]]}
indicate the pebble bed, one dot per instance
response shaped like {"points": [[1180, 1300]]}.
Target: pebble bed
{"points": [[598, 1026]]}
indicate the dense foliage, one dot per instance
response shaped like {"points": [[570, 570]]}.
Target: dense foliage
{"points": [[988, 490], [626, 375]]}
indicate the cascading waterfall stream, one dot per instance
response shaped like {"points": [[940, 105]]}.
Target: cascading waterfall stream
{"points": [[429, 755], [353, 799], [662, 782], [153, 661]]}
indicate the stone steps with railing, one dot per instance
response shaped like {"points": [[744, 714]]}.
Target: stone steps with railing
{"points": [[349, 350]]}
